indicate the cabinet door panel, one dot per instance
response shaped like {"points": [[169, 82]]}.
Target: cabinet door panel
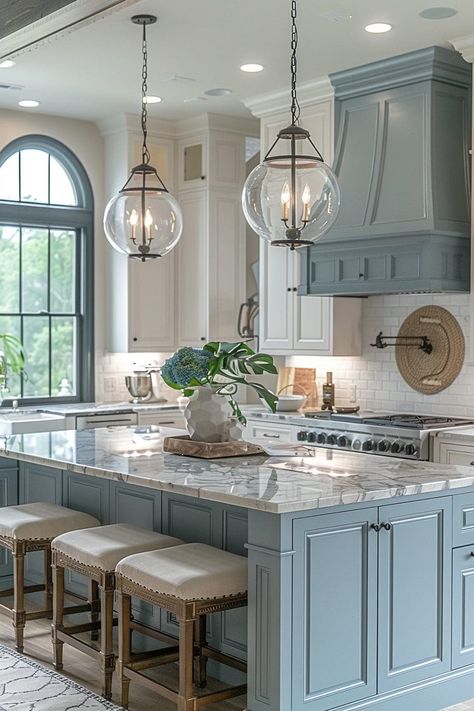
{"points": [[8, 497], [463, 519], [414, 592], [151, 305], [38, 483], [335, 602], [276, 299], [192, 261], [234, 622], [90, 495], [463, 607]]}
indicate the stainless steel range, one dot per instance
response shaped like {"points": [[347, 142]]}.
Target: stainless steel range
{"points": [[402, 436]]}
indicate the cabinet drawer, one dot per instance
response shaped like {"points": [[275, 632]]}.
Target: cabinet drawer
{"points": [[463, 520], [270, 432], [459, 454], [163, 419]]}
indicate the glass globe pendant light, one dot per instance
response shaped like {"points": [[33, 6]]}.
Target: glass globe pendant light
{"points": [[292, 198], [143, 220]]}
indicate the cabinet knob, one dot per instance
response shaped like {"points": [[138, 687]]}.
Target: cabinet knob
{"points": [[472, 464], [295, 288], [203, 338], [375, 527], [289, 288], [471, 554], [135, 339], [387, 526]]}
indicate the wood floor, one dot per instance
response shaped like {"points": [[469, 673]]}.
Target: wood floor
{"points": [[83, 670]]}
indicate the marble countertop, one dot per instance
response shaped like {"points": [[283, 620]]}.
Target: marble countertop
{"points": [[458, 433], [277, 484], [93, 408]]}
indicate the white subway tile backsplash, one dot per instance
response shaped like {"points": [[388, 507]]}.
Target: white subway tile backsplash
{"points": [[375, 373]]}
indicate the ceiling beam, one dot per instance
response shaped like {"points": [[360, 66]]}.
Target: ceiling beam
{"points": [[30, 24]]}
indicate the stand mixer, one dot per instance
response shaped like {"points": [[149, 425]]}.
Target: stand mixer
{"points": [[144, 384]]}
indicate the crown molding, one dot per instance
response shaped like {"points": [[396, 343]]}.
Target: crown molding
{"points": [[217, 122], [130, 123], [465, 46], [57, 24], [310, 92]]}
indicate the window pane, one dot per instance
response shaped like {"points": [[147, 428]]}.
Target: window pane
{"points": [[9, 269], [63, 349], [34, 278], [10, 179], [63, 255], [11, 324], [36, 345], [61, 189], [34, 176]]}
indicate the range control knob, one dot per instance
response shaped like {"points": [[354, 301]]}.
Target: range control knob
{"points": [[411, 450], [302, 436], [397, 447], [384, 445], [369, 445], [321, 438], [343, 441], [332, 439], [356, 444], [311, 437]]}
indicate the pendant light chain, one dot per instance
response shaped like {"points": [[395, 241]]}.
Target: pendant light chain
{"points": [[295, 107], [145, 151]]}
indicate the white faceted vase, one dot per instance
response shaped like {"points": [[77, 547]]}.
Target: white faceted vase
{"points": [[209, 417]]}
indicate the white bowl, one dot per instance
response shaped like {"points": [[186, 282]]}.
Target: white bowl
{"points": [[290, 403]]}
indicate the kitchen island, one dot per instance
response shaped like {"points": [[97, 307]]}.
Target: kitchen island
{"points": [[360, 567]]}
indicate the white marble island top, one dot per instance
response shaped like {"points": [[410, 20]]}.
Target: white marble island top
{"points": [[276, 484]]}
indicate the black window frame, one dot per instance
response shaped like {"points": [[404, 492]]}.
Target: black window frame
{"points": [[79, 218]]}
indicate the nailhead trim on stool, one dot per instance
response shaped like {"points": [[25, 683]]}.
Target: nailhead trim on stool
{"points": [[24, 529], [182, 581], [94, 553]]}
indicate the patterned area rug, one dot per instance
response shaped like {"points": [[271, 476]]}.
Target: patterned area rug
{"points": [[27, 686]]}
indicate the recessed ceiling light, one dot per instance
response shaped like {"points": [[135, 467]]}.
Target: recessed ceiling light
{"points": [[218, 92], [252, 68], [378, 27], [7, 63], [29, 103], [152, 99], [438, 13]]}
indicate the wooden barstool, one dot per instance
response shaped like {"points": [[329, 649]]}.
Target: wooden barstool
{"points": [[95, 553], [190, 581], [27, 528]]}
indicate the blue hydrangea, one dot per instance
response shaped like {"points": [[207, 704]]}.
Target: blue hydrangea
{"points": [[186, 366]]}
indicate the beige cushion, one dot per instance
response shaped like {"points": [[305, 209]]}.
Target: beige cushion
{"points": [[191, 572], [105, 546], [41, 521]]}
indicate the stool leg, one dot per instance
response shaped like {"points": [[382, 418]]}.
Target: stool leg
{"points": [[19, 614], [58, 615], [106, 635], [48, 579], [94, 602], [125, 647], [200, 660], [186, 700]]}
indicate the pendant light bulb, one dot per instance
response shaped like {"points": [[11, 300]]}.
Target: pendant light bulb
{"points": [[143, 220], [292, 198]]}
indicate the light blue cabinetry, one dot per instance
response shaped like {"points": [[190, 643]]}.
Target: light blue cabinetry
{"points": [[8, 497], [414, 592], [463, 607], [335, 609]]}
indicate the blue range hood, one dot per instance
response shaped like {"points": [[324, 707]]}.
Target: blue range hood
{"points": [[402, 160]]}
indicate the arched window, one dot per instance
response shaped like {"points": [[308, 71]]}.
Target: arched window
{"points": [[46, 268]]}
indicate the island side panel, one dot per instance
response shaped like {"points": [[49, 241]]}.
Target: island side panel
{"points": [[8, 497], [270, 612]]}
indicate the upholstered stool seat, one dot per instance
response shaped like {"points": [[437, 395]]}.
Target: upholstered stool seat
{"points": [[41, 521], [190, 581], [27, 528], [95, 552]]}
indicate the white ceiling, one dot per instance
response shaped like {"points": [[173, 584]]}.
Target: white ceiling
{"points": [[94, 72]]}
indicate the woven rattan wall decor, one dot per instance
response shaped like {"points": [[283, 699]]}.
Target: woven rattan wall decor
{"points": [[429, 373]]}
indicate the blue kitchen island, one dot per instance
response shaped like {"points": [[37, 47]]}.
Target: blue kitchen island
{"points": [[361, 568]]}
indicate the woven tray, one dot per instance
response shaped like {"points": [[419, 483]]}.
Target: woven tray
{"points": [[209, 450], [431, 373]]}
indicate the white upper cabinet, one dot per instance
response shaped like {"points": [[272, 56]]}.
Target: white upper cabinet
{"points": [[193, 294], [290, 323]]}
